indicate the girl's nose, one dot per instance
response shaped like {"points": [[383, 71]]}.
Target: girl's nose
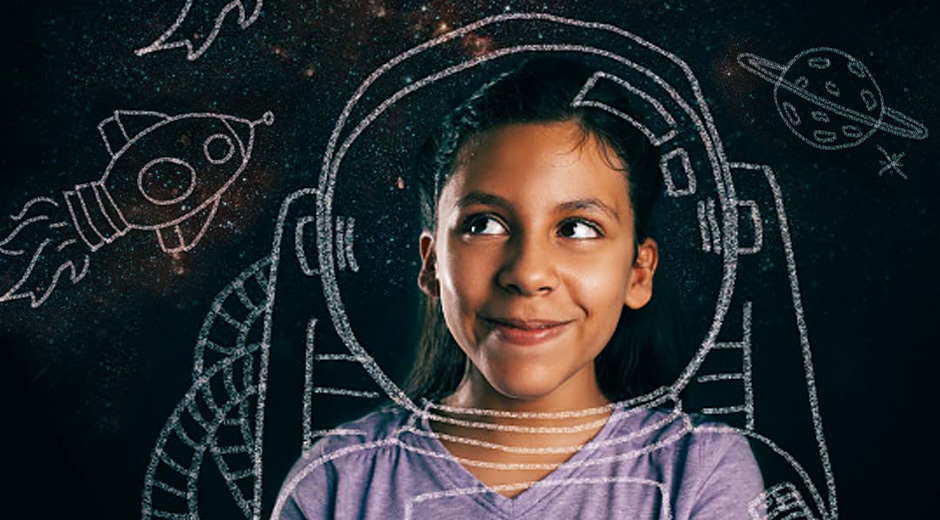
{"points": [[529, 268]]}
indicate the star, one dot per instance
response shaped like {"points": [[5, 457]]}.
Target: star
{"points": [[891, 163]]}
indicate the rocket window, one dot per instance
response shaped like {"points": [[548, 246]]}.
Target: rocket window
{"points": [[218, 148]]}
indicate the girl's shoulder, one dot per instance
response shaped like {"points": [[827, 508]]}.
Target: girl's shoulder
{"points": [[376, 425], [670, 431], [347, 445], [375, 428]]}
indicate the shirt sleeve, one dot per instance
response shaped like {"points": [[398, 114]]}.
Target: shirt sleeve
{"points": [[289, 511], [307, 492], [732, 485]]}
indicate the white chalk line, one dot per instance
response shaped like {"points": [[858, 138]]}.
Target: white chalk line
{"points": [[350, 257], [747, 367], [16, 231], [299, 248], [236, 286], [208, 427], [337, 357], [234, 292], [665, 160], [346, 392], [162, 43], [30, 204], [710, 378], [270, 287], [663, 113], [892, 162], [780, 498], [307, 416], [550, 430], [713, 225], [703, 227], [340, 257], [12, 293], [809, 372], [758, 227], [616, 417]]}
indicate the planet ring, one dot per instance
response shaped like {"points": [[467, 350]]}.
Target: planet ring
{"points": [[773, 72]]}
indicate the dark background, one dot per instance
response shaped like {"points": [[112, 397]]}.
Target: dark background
{"points": [[90, 377]]}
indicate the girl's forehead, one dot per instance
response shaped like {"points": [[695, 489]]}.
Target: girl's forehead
{"points": [[539, 162]]}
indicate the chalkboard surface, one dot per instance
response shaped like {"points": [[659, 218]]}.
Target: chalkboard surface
{"points": [[203, 200]]}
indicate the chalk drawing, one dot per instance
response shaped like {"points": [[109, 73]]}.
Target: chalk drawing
{"points": [[668, 106], [191, 30], [829, 99], [176, 196], [891, 163], [780, 501], [745, 376]]}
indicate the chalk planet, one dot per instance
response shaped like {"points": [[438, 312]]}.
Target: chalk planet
{"points": [[829, 99]]}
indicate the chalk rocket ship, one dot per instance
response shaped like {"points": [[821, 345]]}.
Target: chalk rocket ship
{"points": [[167, 175]]}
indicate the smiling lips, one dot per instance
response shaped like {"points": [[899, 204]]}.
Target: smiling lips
{"points": [[528, 332]]}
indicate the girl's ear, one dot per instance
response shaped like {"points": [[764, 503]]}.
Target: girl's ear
{"points": [[427, 278], [640, 281]]}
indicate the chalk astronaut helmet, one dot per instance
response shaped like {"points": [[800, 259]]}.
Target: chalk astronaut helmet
{"points": [[365, 241], [366, 215]]}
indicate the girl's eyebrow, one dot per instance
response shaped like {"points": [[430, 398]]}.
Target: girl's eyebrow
{"points": [[490, 199]]}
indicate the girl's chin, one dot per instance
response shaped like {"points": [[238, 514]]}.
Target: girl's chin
{"points": [[520, 388]]}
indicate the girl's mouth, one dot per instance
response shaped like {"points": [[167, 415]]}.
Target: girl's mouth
{"points": [[527, 335]]}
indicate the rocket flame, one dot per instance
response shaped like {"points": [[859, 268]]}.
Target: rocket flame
{"points": [[41, 247]]}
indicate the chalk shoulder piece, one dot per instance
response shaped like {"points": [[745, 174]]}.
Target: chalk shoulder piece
{"points": [[167, 174]]}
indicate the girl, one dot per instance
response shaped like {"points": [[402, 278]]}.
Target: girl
{"points": [[538, 275]]}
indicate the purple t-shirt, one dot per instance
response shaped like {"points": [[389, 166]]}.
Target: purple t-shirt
{"points": [[643, 464]]}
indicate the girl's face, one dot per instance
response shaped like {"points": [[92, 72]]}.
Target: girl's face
{"points": [[535, 224]]}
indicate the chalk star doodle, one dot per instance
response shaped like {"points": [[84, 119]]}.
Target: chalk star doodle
{"points": [[243, 355], [175, 196], [193, 23], [891, 163], [829, 99]]}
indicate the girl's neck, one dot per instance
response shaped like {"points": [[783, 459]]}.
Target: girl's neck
{"points": [[580, 393], [478, 424]]}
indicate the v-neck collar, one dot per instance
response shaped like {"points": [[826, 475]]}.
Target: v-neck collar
{"points": [[461, 478]]}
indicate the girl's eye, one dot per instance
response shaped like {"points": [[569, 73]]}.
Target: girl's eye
{"points": [[483, 225], [487, 225], [580, 225]]}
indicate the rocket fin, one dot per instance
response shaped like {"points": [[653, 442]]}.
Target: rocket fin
{"points": [[192, 229], [124, 125], [186, 234], [134, 122], [169, 239]]}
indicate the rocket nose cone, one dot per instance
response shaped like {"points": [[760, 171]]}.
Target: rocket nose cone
{"points": [[244, 133]]}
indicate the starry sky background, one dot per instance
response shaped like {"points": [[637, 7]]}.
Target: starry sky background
{"points": [[90, 376]]}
